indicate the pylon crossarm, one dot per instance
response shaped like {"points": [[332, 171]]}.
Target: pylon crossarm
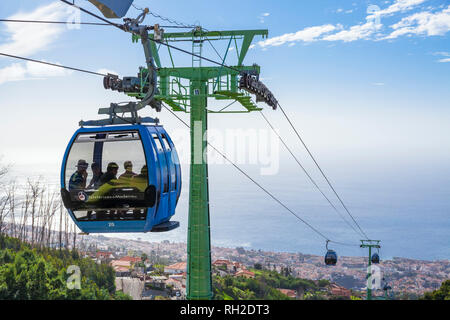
{"points": [[246, 36]]}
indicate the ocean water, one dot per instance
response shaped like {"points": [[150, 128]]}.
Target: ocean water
{"points": [[407, 208]]}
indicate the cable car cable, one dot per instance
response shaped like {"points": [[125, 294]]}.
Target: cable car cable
{"points": [[156, 41], [307, 174], [53, 64], [55, 22], [237, 167], [260, 186], [72, 23], [321, 171], [100, 74], [217, 63], [225, 66], [182, 25]]}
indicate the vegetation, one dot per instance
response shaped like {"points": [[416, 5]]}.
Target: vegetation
{"points": [[28, 273], [441, 294], [265, 286]]}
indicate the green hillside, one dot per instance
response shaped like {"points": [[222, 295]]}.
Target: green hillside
{"points": [[28, 273]]}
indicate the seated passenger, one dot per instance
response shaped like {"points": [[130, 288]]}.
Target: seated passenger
{"points": [[111, 173], [78, 179], [95, 181], [128, 165], [140, 181]]}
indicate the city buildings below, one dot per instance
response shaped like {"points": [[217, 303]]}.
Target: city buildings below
{"points": [[404, 276]]}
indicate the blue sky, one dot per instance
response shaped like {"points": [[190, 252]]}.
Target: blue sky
{"points": [[366, 82]]}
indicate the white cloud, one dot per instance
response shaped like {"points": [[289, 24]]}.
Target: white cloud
{"points": [[306, 35], [106, 71], [398, 6], [423, 23], [357, 32], [28, 38], [30, 71], [445, 56]]}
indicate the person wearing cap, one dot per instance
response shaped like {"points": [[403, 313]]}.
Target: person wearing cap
{"points": [[128, 174], [95, 181], [78, 179], [111, 173]]}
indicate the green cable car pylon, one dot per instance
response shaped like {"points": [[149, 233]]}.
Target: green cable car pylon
{"points": [[187, 89], [370, 244]]}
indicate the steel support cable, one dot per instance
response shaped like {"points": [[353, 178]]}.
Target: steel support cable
{"points": [[260, 186], [220, 57], [52, 64], [215, 149], [218, 63], [71, 23], [321, 171], [55, 22], [179, 24], [156, 41], [200, 57], [307, 174]]}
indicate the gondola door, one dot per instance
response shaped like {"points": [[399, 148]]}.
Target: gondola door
{"points": [[163, 207], [171, 159]]}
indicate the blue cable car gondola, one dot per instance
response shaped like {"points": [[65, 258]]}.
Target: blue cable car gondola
{"points": [[330, 257], [375, 258], [101, 198]]}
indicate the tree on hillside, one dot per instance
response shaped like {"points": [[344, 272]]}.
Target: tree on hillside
{"points": [[7, 199], [28, 273], [441, 294], [3, 171]]}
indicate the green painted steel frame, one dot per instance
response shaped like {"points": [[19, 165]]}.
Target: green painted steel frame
{"points": [[195, 96], [176, 95]]}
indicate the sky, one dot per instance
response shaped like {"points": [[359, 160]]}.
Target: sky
{"points": [[365, 82]]}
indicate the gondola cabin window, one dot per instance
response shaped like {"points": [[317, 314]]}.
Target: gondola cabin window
{"points": [[106, 175]]}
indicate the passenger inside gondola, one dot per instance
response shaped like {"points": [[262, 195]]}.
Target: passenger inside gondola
{"points": [[111, 187], [78, 179], [128, 174], [140, 181], [111, 173], [97, 174]]}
